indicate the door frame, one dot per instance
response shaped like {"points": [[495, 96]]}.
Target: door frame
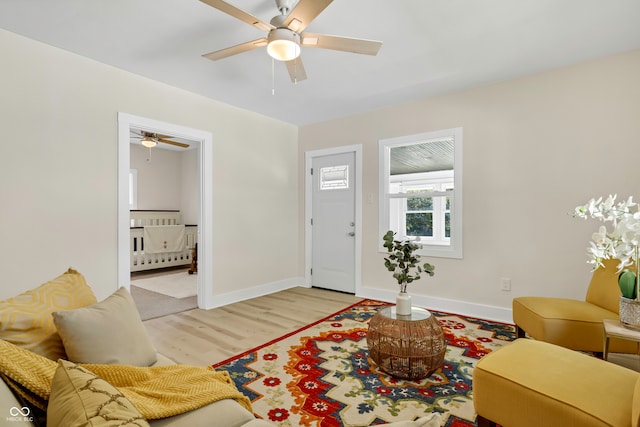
{"points": [[308, 205], [205, 197]]}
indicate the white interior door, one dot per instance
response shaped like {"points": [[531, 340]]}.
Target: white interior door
{"points": [[333, 222]]}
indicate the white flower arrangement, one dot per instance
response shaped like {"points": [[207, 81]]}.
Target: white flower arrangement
{"points": [[623, 240]]}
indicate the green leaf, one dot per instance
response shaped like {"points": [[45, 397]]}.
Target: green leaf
{"points": [[402, 260], [627, 284]]}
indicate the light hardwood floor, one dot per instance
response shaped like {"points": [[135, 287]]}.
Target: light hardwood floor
{"points": [[204, 337]]}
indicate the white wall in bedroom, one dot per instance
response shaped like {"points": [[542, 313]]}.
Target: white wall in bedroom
{"points": [[190, 185], [167, 180]]}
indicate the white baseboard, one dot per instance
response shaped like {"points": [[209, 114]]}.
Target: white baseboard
{"points": [[256, 291], [481, 311]]}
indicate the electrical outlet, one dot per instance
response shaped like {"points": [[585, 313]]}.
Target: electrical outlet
{"points": [[505, 284]]}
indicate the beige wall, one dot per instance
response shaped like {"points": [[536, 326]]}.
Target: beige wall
{"points": [[58, 172], [534, 148]]}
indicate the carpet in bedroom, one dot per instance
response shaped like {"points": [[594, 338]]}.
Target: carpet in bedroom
{"points": [[178, 284], [153, 304]]}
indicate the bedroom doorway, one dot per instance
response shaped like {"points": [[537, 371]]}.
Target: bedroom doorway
{"points": [[202, 141], [163, 194]]}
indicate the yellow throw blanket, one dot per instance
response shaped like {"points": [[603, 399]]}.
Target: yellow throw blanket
{"points": [[156, 391]]}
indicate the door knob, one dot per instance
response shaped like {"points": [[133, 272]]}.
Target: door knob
{"points": [[351, 233]]}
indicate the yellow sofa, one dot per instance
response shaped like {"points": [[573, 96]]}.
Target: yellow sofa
{"points": [[573, 323], [531, 383], [62, 320]]}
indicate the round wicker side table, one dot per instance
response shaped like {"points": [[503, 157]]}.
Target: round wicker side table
{"points": [[409, 347]]}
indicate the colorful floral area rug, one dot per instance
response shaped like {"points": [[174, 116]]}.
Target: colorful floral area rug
{"points": [[321, 375]]}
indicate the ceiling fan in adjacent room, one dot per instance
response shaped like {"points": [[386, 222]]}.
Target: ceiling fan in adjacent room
{"points": [[150, 139], [285, 34]]}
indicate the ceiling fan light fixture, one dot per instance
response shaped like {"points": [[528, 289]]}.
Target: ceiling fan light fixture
{"points": [[148, 142], [284, 44]]}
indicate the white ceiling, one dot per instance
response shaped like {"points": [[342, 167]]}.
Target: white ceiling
{"points": [[430, 46]]}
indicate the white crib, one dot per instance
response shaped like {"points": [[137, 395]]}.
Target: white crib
{"points": [[139, 261]]}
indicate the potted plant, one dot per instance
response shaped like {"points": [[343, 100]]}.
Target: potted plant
{"points": [[621, 242], [404, 263]]}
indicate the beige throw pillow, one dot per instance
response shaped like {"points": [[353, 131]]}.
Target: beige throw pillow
{"points": [[109, 332], [79, 398], [25, 320]]}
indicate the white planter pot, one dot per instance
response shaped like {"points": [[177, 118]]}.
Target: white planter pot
{"points": [[403, 304]]}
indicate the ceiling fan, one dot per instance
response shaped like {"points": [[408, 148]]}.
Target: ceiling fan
{"points": [[150, 139], [285, 34]]}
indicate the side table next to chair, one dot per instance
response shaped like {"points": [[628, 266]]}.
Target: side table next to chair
{"points": [[615, 329]]}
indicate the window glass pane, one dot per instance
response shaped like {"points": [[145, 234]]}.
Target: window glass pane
{"points": [[447, 225], [334, 177], [133, 189], [420, 204], [420, 224]]}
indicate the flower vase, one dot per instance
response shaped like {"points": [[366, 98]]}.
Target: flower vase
{"points": [[630, 312], [403, 304], [630, 307]]}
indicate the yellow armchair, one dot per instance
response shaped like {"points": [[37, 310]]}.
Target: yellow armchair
{"points": [[572, 323]]}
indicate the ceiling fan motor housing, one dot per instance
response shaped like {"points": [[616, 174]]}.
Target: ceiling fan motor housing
{"points": [[284, 6]]}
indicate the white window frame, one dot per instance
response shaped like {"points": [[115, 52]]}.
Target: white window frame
{"points": [[430, 183], [387, 199], [133, 189]]}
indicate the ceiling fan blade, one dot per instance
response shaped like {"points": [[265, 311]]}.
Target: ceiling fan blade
{"points": [[159, 135], [176, 143], [240, 14], [346, 44], [303, 13], [234, 50], [296, 70]]}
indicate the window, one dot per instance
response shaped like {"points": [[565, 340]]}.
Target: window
{"points": [[133, 189], [421, 190], [334, 177], [420, 213]]}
